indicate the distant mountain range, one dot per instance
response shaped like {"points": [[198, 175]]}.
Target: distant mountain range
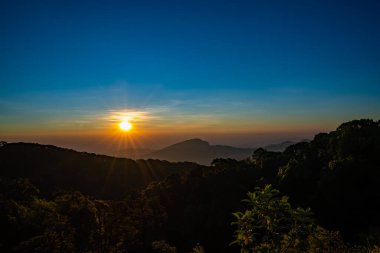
{"points": [[53, 168], [200, 151]]}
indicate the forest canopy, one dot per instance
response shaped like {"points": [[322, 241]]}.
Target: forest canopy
{"points": [[59, 200]]}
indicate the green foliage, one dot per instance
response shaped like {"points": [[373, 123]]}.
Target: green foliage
{"points": [[271, 224], [336, 174], [33, 224], [323, 240], [163, 247], [198, 249]]}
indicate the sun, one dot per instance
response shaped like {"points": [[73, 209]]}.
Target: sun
{"points": [[125, 125]]}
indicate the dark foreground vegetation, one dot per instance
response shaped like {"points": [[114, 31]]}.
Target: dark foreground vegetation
{"points": [[317, 196]]}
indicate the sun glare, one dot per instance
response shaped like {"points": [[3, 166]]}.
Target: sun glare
{"points": [[125, 125]]}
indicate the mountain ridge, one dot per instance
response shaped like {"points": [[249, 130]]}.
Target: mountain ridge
{"points": [[200, 151]]}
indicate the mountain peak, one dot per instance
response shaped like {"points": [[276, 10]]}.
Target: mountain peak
{"points": [[189, 145], [195, 141], [199, 151]]}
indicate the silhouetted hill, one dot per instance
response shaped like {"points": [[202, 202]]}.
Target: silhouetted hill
{"points": [[199, 151], [336, 174], [52, 168]]}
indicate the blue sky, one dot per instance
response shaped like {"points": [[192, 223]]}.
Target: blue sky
{"points": [[200, 66]]}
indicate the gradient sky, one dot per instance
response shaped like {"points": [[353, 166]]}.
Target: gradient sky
{"points": [[232, 72]]}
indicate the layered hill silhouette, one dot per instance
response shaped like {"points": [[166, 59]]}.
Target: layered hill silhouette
{"points": [[45, 190], [200, 151], [52, 169]]}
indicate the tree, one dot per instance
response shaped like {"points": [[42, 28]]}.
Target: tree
{"points": [[163, 247], [198, 249], [270, 224]]}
